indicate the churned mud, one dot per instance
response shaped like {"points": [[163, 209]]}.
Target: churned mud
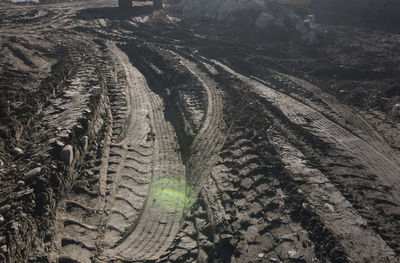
{"points": [[138, 136]]}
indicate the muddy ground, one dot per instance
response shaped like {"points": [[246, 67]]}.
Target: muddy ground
{"points": [[136, 136]]}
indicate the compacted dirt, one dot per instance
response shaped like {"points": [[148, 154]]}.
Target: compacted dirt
{"points": [[136, 136]]}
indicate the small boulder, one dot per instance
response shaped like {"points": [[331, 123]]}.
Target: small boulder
{"points": [[32, 173], [2, 220], [21, 184], [396, 110], [1, 163], [17, 151], [67, 154], [308, 208]]}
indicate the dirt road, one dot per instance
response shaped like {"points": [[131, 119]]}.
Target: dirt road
{"points": [[138, 137]]}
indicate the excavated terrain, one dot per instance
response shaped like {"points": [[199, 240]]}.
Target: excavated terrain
{"points": [[137, 136]]}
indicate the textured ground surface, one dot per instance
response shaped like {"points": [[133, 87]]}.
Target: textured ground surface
{"points": [[138, 137]]}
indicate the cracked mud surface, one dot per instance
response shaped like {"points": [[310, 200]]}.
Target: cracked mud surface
{"points": [[136, 137]]}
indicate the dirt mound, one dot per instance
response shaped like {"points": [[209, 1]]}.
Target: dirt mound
{"points": [[267, 16]]}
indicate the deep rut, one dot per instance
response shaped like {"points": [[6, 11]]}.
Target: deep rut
{"points": [[133, 209], [149, 135], [329, 203]]}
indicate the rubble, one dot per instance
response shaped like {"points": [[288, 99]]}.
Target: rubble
{"points": [[260, 14]]}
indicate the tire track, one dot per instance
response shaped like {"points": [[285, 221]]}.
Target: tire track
{"points": [[356, 231], [79, 214], [385, 166], [161, 216]]}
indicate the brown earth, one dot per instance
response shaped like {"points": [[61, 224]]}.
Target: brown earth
{"points": [[135, 136]]}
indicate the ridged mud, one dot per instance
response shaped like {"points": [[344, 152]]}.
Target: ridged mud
{"points": [[131, 136]]}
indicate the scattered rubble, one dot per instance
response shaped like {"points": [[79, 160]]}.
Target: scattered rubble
{"points": [[264, 15]]}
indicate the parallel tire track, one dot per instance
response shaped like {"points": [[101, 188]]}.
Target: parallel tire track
{"points": [[157, 221], [360, 240]]}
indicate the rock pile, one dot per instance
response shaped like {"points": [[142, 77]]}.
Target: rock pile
{"points": [[260, 14]]}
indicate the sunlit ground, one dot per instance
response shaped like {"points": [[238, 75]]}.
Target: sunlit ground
{"points": [[171, 194]]}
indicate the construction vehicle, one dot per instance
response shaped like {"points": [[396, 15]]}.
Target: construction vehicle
{"points": [[126, 4]]}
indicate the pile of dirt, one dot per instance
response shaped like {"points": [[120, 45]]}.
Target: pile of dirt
{"points": [[267, 16]]}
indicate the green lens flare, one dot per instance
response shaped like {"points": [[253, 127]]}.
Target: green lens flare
{"points": [[171, 194]]}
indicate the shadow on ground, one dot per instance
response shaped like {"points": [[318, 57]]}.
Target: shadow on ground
{"points": [[114, 12]]}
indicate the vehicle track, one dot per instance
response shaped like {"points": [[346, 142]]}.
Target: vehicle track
{"points": [[271, 173], [149, 135], [377, 161]]}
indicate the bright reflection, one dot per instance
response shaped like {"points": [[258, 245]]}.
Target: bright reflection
{"points": [[171, 194]]}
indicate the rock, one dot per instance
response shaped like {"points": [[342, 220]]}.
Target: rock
{"points": [[59, 144], [187, 243], [261, 255], [2, 220], [329, 207], [274, 260], [309, 21], [178, 254], [2, 240], [64, 134], [396, 110], [253, 13], [21, 184], [67, 155], [264, 20], [32, 173], [308, 208], [1, 163], [17, 151]]}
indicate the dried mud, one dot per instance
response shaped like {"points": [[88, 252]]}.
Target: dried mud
{"points": [[135, 136]]}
